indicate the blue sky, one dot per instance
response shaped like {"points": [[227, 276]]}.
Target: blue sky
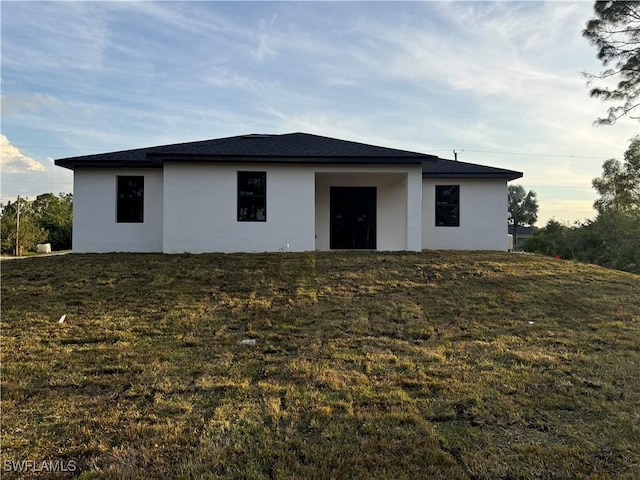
{"points": [[500, 83]]}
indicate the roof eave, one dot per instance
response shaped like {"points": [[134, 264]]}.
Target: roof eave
{"points": [[72, 164], [506, 175]]}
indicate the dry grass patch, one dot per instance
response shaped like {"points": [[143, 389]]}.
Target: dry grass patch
{"points": [[366, 365]]}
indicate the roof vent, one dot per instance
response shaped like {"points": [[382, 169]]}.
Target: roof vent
{"points": [[258, 135]]}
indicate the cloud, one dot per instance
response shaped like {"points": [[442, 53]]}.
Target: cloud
{"points": [[489, 51], [79, 33], [225, 77], [265, 48], [489, 78], [13, 161], [32, 103]]}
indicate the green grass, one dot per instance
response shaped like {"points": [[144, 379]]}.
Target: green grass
{"points": [[366, 365]]}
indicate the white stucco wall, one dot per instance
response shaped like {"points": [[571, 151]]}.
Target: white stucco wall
{"points": [[398, 224], [94, 213], [414, 210], [483, 216], [200, 207], [191, 207]]}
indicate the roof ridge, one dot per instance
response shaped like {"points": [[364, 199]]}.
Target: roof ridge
{"points": [[297, 147]]}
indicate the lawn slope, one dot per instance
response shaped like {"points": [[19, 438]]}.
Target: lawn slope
{"points": [[365, 365]]}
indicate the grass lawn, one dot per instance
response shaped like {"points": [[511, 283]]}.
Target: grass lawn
{"points": [[365, 365]]}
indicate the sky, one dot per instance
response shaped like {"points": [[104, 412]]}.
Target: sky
{"points": [[499, 83]]}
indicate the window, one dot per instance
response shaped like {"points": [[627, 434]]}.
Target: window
{"points": [[447, 205], [130, 199], [252, 196]]}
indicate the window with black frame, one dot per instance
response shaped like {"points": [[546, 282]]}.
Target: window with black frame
{"points": [[130, 199], [252, 196], [447, 205]]}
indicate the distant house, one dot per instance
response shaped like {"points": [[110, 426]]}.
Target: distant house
{"points": [[296, 192], [524, 234]]}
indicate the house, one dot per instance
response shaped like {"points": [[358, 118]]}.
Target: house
{"points": [[297, 192], [524, 234]]}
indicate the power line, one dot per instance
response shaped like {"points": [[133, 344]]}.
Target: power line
{"points": [[517, 153], [533, 154]]}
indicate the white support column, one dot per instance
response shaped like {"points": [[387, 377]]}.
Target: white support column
{"points": [[414, 209]]}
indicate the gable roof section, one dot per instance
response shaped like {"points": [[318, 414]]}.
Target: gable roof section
{"points": [[441, 168], [286, 148]]}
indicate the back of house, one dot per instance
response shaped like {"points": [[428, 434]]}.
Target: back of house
{"points": [[289, 192]]}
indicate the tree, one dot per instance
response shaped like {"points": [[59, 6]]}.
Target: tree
{"points": [[612, 239], [552, 239], [48, 218], [30, 233], [615, 31], [55, 215], [523, 208], [618, 220], [619, 185], [619, 235]]}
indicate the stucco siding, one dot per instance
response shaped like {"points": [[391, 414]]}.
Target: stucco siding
{"points": [[192, 207], [395, 187], [95, 229], [414, 216], [483, 216], [201, 209]]}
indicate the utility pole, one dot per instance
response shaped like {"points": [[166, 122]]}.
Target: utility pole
{"points": [[18, 228]]}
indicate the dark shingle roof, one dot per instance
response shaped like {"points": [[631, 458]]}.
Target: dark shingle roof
{"points": [[286, 148], [442, 168], [522, 230]]}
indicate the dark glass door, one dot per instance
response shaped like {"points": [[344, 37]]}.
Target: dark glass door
{"points": [[353, 218]]}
